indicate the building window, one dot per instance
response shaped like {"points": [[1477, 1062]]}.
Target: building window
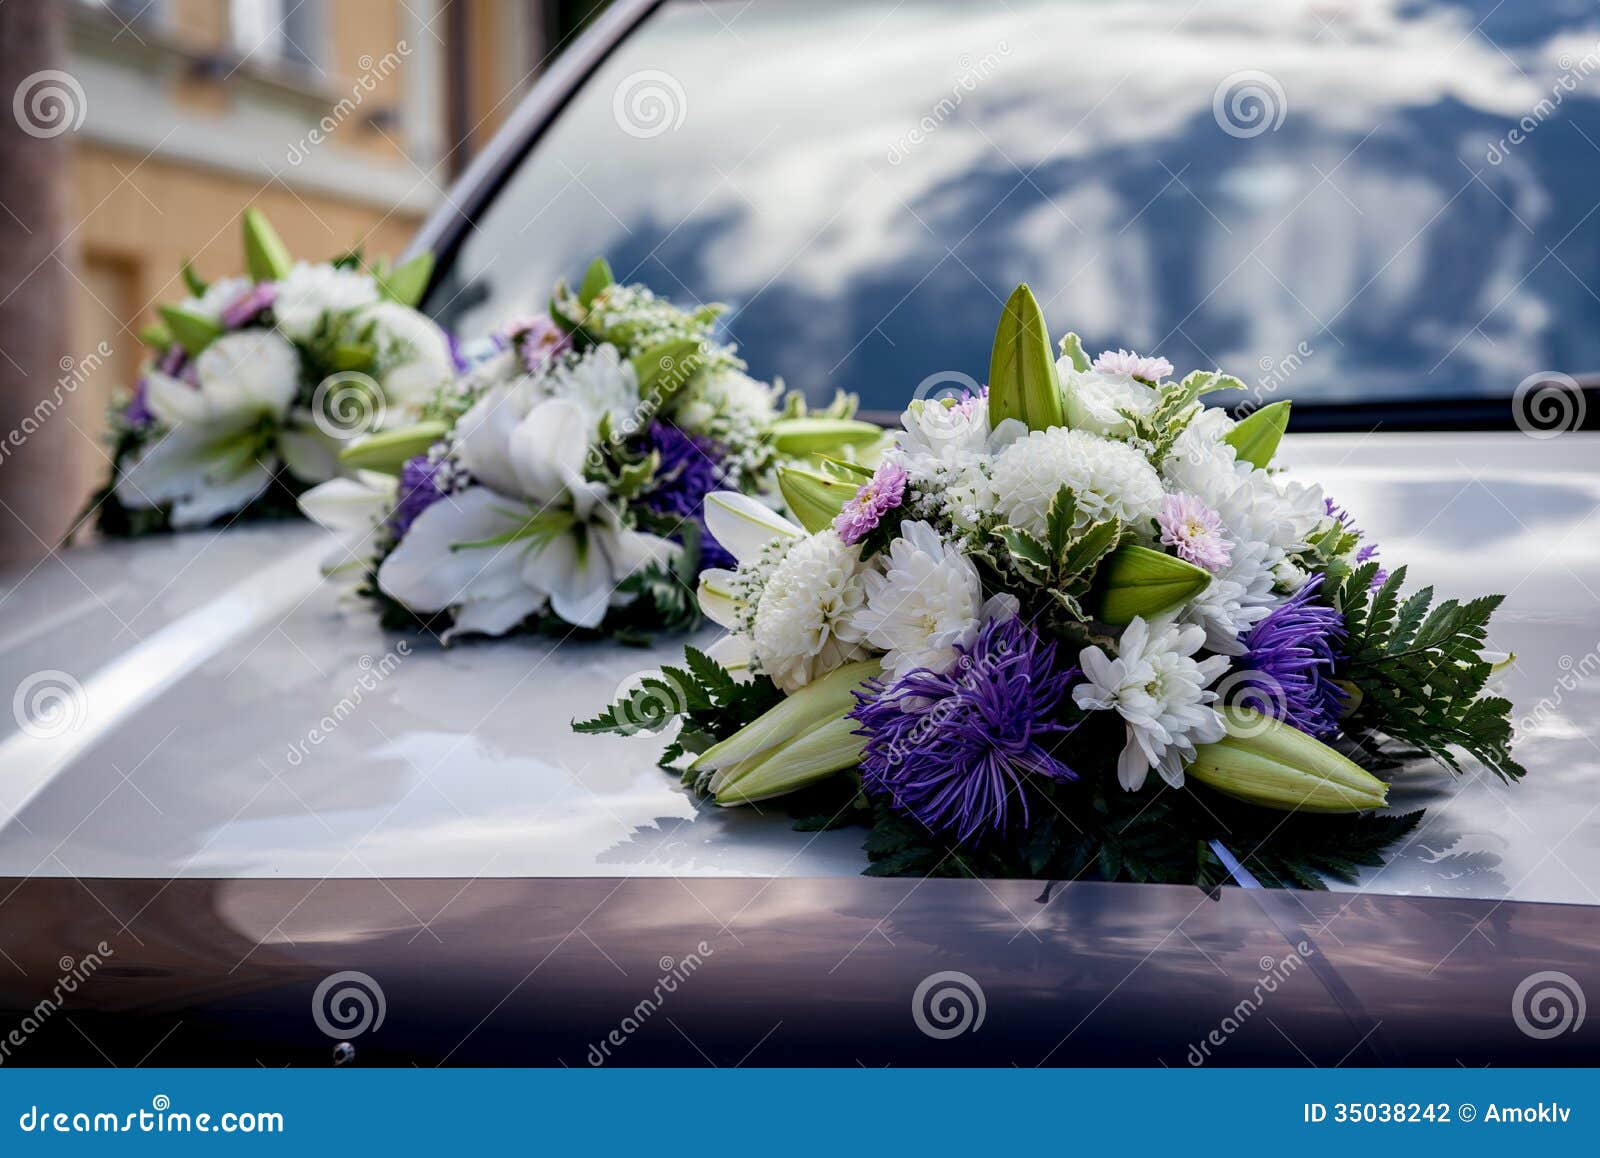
{"points": [[279, 31]]}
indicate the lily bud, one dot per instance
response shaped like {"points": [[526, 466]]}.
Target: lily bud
{"points": [[1023, 381], [815, 756], [1265, 761], [406, 283], [266, 258], [814, 499], [389, 450], [820, 702], [194, 332], [1140, 582], [1255, 440], [803, 436]]}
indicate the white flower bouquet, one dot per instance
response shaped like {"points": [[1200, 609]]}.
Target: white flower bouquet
{"points": [[256, 382], [1046, 591], [558, 484]]}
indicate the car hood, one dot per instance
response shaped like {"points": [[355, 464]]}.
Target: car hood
{"points": [[225, 711]]}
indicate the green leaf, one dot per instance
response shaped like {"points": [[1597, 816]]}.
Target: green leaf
{"points": [[155, 336], [814, 499], [1255, 439], [1063, 512], [665, 369], [266, 258], [1023, 382], [1072, 350], [407, 283], [352, 356], [194, 332], [194, 281], [596, 278], [1143, 582]]}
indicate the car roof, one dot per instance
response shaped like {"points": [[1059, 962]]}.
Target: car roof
{"points": [[229, 712]]}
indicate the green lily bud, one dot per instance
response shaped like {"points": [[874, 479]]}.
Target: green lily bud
{"points": [[1267, 762], [596, 278], [665, 369], [814, 499], [194, 332], [155, 336], [819, 702], [388, 450], [408, 282], [815, 756], [1023, 382], [266, 258], [1255, 439], [802, 436], [1142, 582]]}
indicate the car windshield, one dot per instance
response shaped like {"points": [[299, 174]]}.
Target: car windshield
{"points": [[1341, 202]]}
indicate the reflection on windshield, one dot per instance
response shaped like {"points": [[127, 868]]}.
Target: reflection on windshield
{"points": [[1341, 200]]}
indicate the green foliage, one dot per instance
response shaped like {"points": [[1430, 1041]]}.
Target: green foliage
{"points": [[1057, 570], [703, 695], [1177, 404], [1420, 669]]}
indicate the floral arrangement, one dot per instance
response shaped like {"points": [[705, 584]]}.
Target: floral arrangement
{"points": [[1074, 622], [559, 482], [256, 381]]}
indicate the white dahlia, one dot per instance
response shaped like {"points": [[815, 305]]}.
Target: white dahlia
{"points": [[1160, 691], [1109, 479], [927, 601], [805, 620]]}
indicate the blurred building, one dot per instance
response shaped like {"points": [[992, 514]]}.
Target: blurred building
{"points": [[343, 120]]}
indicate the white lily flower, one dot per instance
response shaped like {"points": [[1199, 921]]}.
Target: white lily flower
{"points": [[353, 509], [226, 438], [534, 533]]}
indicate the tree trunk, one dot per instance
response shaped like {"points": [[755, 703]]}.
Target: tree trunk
{"points": [[37, 442]]}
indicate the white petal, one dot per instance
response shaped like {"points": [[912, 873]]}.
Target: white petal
{"points": [[734, 652], [579, 582], [483, 440], [253, 371], [310, 455], [494, 616], [743, 526], [345, 506], [427, 573], [172, 400], [207, 503], [716, 596], [1132, 766], [547, 449]]}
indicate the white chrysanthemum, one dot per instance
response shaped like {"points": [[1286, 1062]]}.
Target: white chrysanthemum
{"points": [[805, 621], [598, 383], [414, 358], [951, 433], [219, 295], [1242, 595], [1109, 479], [926, 602], [727, 394], [1159, 690], [310, 291], [1096, 399]]}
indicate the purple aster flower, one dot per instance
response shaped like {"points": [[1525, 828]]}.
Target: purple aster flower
{"points": [[138, 412], [172, 361], [247, 305], [1367, 551], [1287, 668], [537, 340], [951, 749], [875, 498], [1133, 365], [1194, 531], [418, 490], [689, 470]]}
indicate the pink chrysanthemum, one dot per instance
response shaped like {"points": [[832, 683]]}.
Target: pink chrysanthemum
{"points": [[877, 496], [1133, 365], [1194, 531]]}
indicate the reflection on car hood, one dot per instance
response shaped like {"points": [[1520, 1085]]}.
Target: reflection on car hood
{"points": [[238, 717]]}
